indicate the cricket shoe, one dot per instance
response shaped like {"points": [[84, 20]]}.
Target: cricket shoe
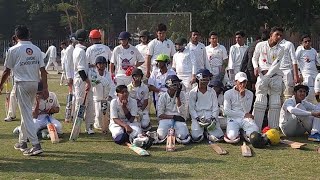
{"points": [[314, 137], [90, 130], [154, 136], [16, 130], [21, 146], [9, 119], [143, 141], [35, 150]]}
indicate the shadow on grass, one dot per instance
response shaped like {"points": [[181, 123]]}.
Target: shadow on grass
{"points": [[103, 165]]}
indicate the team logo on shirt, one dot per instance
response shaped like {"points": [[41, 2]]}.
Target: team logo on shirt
{"points": [[125, 63], [50, 100], [131, 52], [29, 51]]}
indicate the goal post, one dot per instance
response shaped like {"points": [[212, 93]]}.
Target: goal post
{"points": [[178, 23]]}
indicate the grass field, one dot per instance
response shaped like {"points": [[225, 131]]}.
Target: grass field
{"points": [[97, 157]]}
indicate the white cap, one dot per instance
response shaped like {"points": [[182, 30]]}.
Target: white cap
{"points": [[241, 76]]}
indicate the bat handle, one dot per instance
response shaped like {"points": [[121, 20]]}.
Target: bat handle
{"points": [[48, 118], [85, 98]]}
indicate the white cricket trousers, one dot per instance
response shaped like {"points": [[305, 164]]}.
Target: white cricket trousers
{"points": [[54, 61], [117, 130], [181, 129], [234, 125], [26, 93], [12, 103], [98, 113]]}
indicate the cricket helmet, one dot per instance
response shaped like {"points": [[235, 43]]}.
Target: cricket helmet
{"points": [[101, 59], [162, 58], [124, 35], [172, 81], [81, 35], [273, 136], [94, 34], [257, 140]]}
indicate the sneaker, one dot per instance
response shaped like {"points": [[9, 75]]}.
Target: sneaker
{"points": [[8, 119], [314, 137], [16, 130], [21, 146], [35, 150], [59, 73], [90, 130]]}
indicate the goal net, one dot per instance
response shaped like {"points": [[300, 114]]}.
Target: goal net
{"points": [[178, 24]]}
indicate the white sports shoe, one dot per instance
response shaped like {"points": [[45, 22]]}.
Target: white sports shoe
{"points": [[9, 119], [90, 131], [16, 130]]}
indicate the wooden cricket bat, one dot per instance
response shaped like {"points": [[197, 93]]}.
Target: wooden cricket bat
{"points": [[292, 144], [219, 150], [245, 150], [68, 116], [77, 122], [171, 140], [138, 150], [52, 131], [105, 116]]}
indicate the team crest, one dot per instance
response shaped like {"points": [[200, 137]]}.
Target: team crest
{"points": [[50, 100], [29, 51], [131, 52], [125, 63]]}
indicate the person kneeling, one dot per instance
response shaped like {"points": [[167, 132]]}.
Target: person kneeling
{"points": [[123, 120]]}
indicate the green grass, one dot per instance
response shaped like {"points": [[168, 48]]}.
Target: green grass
{"points": [[97, 157]]}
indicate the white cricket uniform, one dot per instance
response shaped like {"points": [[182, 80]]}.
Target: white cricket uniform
{"points": [[216, 56], [69, 66], [296, 118], [199, 51], [158, 80], [25, 60], [157, 47], [268, 58], [12, 109], [123, 59], [235, 107], [168, 106], [101, 91], [286, 65], [82, 63], [317, 84], [140, 94], [116, 112], [63, 60], [307, 61], [222, 120], [96, 50], [235, 57], [44, 106], [52, 57], [143, 49], [204, 105]]}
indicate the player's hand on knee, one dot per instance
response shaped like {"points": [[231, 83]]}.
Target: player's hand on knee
{"points": [[178, 118], [128, 129], [315, 114]]}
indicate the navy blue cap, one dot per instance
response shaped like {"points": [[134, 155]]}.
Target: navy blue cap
{"points": [[101, 59], [124, 35]]}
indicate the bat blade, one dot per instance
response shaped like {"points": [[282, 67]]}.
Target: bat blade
{"points": [[245, 150], [171, 140], [138, 150], [77, 123], [218, 149], [68, 116], [52, 131], [292, 144], [105, 116]]}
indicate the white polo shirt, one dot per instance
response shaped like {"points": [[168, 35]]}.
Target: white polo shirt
{"points": [[167, 105], [216, 55], [80, 60], [105, 88], [25, 60], [235, 56], [96, 50], [184, 62], [307, 60], [143, 49], [199, 51], [158, 80], [289, 57], [116, 110], [139, 93], [69, 62], [47, 104], [51, 52], [124, 58], [156, 47]]}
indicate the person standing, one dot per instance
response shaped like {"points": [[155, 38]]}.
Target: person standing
{"points": [[52, 57], [26, 60], [63, 47], [144, 36]]}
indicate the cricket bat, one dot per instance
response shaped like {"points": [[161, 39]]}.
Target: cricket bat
{"points": [[171, 140], [68, 116], [219, 150], [138, 150], [245, 150], [52, 131], [105, 118], [292, 144], [77, 122]]}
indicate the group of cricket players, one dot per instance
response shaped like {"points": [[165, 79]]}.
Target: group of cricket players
{"points": [[184, 81]]}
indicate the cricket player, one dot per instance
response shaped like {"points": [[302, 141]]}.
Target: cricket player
{"points": [[198, 49], [63, 47], [307, 58], [204, 110], [159, 45], [236, 55], [171, 107], [299, 116], [289, 68], [69, 66], [266, 61], [103, 88], [140, 92], [123, 120], [217, 56], [218, 87], [25, 60], [144, 37], [52, 57], [158, 77], [82, 80], [237, 106], [43, 108], [124, 59]]}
